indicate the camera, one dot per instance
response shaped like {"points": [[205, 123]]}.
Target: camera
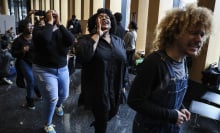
{"points": [[40, 13]]}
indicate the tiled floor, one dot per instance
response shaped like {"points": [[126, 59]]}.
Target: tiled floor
{"points": [[15, 118]]}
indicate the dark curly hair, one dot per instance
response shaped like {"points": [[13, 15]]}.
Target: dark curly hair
{"points": [[92, 21]]}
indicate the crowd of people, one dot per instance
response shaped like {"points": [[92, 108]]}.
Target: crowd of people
{"points": [[37, 60]]}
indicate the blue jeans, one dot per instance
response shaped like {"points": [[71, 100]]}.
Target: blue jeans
{"points": [[54, 87], [11, 73], [26, 70]]}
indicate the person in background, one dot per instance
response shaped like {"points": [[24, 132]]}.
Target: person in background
{"points": [[120, 31], [159, 87], [22, 50], [51, 43], [104, 71], [7, 69], [10, 34], [74, 26], [130, 42]]}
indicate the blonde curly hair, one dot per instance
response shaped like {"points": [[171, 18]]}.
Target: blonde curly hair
{"points": [[178, 21]]}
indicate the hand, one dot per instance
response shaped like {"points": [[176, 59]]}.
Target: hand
{"points": [[49, 17], [187, 113], [181, 117], [26, 48], [56, 18], [99, 30]]}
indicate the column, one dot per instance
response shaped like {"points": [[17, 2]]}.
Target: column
{"points": [[85, 16], [97, 4], [86, 9], [57, 6], [43, 4], [5, 7], [64, 12], [36, 4], [115, 5], [156, 11], [142, 20], [213, 53], [70, 8], [125, 13], [47, 5], [78, 9]]}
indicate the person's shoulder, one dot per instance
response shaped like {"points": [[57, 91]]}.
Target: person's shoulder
{"points": [[116, 37], [129, 33], [154, 58]]}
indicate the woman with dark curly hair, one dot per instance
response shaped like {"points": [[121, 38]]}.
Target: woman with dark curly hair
{"points": [[159, 87], [104, 72]]}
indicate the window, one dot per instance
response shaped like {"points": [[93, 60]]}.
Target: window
{"points": [[18, 8], [182, 3]]}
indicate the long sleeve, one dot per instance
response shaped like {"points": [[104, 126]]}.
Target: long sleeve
{"points": [[150, 77]]}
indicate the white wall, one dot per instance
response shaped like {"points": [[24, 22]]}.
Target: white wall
{"points": [[6, 22]]}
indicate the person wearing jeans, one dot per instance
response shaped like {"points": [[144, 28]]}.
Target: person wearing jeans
{"points": [[51, 43], [22, 50], [48, 80]]}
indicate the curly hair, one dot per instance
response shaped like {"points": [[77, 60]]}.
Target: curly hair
{"points": [[92, 20], [179, 21]]}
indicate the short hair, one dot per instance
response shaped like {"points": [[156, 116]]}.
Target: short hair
{"points": [[22, 25], [133, 25], [118, 16], [178, 21], [73, 16], [92, 20]]}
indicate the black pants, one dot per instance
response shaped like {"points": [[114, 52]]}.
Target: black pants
{"points": [[130, 54], [101, 119], [102, 116]]}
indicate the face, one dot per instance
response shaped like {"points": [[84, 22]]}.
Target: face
{"points": [[104, 21], [54, 14], [191, 42], [28, 28]]}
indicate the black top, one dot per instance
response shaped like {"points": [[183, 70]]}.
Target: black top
{"points": [[18, 52], [120, 31], [104, 71], [50, 46]]}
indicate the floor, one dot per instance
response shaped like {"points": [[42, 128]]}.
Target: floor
{"points": [[15, 118]]}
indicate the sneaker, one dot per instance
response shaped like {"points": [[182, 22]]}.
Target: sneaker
{"points": [[8, 81], [30, 106], [49, 129], [59, 110], [30, 103]]}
